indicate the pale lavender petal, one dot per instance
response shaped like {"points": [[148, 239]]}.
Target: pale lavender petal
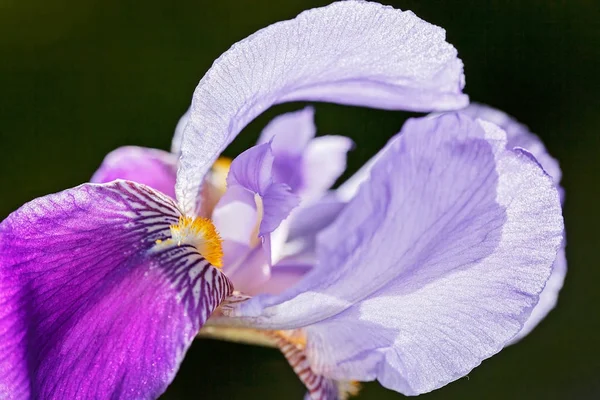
{"points": [[518, 135], [90, 305], [151, 167], [281, 277], [236, 219], [434, 265], [253, 271], [278, 202], [178, 135], [350, 52], [289, 135], [548, 297], [252, 170], [291, 132], [323, 162], [252, 207], [307, 165]]}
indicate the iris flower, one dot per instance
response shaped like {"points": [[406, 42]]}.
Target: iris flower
{"points": [[427, 261]]}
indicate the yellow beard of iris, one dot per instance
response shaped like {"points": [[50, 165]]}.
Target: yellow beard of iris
{"points": [[200, 233]]}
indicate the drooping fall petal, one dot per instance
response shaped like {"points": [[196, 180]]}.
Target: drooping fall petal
{"points": [[423, 276], [518, 135], [91, 306]]}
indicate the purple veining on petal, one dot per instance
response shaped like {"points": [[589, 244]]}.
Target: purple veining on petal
{"points": [[423, 276], [91, 306], [349, 52], [151, 167]]}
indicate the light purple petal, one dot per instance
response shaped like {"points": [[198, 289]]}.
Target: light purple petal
{"points": [[252, 207], [548, 297], [434, 265], [281, 277], [151, 167], [289, 135], [307, 165], [90, 305], [518, 135], [351, 52], [178, 135], [291, 132], [323, 162], [252, 170]]}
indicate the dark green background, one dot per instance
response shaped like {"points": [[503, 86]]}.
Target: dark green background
{"points": [[80, 78]]}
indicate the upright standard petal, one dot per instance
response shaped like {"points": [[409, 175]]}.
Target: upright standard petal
{"points": [[350, 52], [90, 305], [151, 167], [253, 206], [432, 267], [308, 165]]}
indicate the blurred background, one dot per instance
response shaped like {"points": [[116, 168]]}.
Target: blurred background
{"points": [[79, 78]]}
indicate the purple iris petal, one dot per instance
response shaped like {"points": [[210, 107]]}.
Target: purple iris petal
{"points": [[252, 170], [350, 52], [90, 305], [307, 165], [151, 167], [290, 133], [253, 206], [519, 136], [432, 267], [281, 278]]}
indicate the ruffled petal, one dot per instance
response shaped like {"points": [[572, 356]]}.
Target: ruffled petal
{"points": [[433, 266], [252, 171], [289, 135], [151, 167], [252, 207], [90, 305], [518, 135], [307, 165], [350, 52]]}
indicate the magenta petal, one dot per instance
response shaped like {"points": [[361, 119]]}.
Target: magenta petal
{"points": [[349, 52], [151, 167], [90, 305]]}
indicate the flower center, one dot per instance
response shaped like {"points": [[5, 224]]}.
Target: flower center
{"points": [[201, 233]]}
